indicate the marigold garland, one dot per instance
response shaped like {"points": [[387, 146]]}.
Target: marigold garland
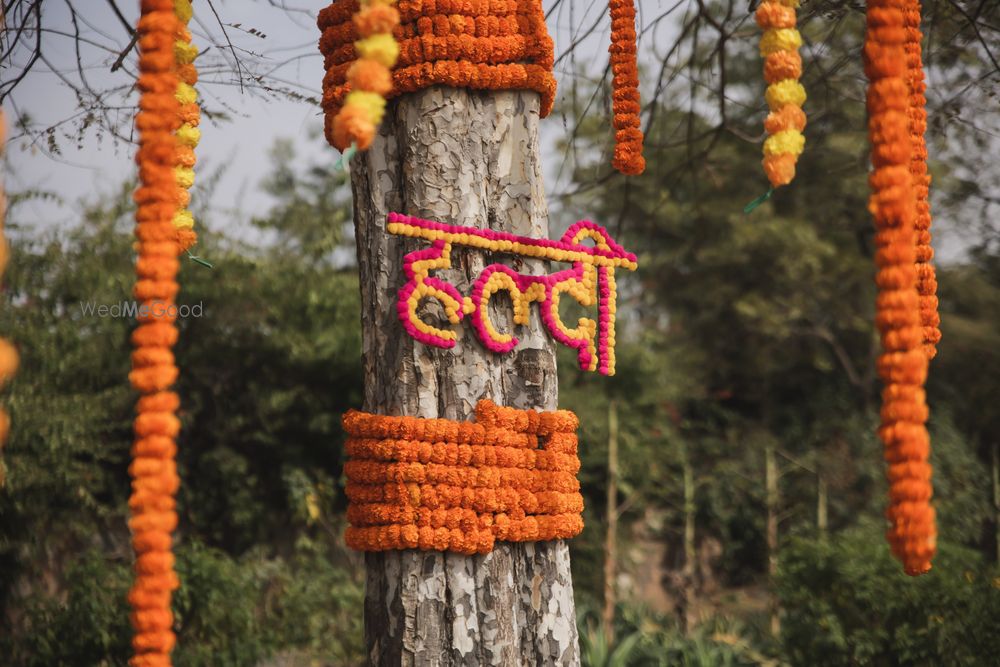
{"points": [[926, 279], [779, 46], [188, 134], [8, 353], [625, 104], [437, 484], [478, 44], [153, 470], [903, 364], [368, 76]]}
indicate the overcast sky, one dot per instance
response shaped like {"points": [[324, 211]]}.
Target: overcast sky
{"points": [[241, 143]]}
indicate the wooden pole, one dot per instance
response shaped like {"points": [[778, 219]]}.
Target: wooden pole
{"points": [[773, 500], [996, 493], [821, 507], [471, 158], [610, 541], [689, 541]]}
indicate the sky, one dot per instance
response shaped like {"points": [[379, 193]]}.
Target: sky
{"points": [[240, 144]]}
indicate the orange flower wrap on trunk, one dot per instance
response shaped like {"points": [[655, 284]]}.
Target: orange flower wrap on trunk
{"points": [[895, 203], [442, 485]]}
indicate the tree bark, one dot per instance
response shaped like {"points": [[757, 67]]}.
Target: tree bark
{"points": [[611, 537], [469, 158]]}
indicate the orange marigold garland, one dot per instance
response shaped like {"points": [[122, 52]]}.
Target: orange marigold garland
{"points": [[921, 180], [437, 484], [8, 353], [478, 44], [153, 470], [903, 364], [779, 46], [625, 104]]}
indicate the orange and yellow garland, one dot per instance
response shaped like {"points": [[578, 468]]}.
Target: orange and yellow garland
{"points": [[437, 484], [894, 203], [8, 353], [369, 76], [477, 44], [779, 46], [153, 469], [187, 134]]}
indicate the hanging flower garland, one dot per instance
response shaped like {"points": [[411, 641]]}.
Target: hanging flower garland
{"points": [[369, 76], [921, 180], [625, 103], [437, 484], [153, 469], [187, 134], [903, 364], [779, 46], [8, 353]]}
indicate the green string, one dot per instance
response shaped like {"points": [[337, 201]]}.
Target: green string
{"points": [[346, 156], [758, 201], [199, 260]]}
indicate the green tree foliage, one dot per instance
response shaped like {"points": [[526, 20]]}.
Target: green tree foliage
{"points": [[269, 366]]}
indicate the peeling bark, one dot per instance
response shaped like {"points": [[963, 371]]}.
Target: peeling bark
{"points": [[470, 158]]}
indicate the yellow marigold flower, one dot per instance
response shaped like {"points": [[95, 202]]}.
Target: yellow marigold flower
{"points": [[783, 39], [188, 135], [381, 48], [183, 219], [183, 10], [185, 94], [787, 141], [184, 177], [185, 52], [372, 103], [785, 92]]}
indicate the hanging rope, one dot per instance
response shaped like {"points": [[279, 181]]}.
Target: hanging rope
{"points": [[153, 469]]}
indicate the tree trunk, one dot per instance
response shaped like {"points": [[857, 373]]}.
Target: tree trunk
{"points": [[469, 158], [822, 519], [771, 480], [690, 593], [996, 494], [611, 537]]}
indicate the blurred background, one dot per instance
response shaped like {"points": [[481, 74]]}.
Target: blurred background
{"points": [[747, 528]]}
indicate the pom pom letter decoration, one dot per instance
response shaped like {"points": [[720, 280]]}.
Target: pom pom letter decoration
{"points": [[442, 485], [591, 281], [779, 46], [894, 203]]}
